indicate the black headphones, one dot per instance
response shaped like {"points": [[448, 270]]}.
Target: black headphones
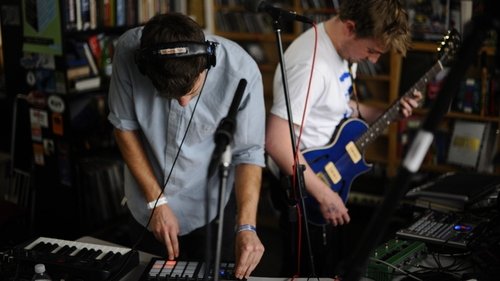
{"points": [[182, 49]]}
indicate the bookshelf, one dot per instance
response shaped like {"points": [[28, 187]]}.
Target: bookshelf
{"points": [[481, 86]]}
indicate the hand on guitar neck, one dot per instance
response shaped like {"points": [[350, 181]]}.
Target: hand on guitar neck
{"points": [[408, 103]]}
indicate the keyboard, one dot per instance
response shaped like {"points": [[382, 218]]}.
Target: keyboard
{"points": [[72, 260], [446, 229], [161, 269]]}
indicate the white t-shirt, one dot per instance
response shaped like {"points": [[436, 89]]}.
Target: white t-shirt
{"points": [[330, 92]]}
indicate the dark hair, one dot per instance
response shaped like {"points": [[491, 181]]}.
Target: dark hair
{"points": [[384, 20], [172, 77]]}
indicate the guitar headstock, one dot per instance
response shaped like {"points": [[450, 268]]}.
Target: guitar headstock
{"points": [[449, 46]]}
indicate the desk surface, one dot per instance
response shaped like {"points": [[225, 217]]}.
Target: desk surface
{"points": [[145, 258]]}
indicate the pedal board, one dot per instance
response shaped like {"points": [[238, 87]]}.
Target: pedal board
{"points": [[392, 255]]}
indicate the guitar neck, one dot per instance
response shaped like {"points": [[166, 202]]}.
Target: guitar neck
{"points": [[393, 112]]}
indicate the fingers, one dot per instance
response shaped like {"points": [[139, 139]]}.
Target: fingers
{"points": [[339, 218], [408, 104], [246, 265], [170, 248], [249, 251], [335, 211], [175, 244], [172, 243], [165, 229]]}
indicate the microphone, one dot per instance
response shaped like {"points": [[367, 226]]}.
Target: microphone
{"points": [[276, 13], [225, 130]]}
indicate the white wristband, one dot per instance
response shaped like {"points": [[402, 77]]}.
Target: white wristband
{"points": [[161, 201]]}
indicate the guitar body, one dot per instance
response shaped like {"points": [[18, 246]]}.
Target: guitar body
{"points": [[321, 159]]}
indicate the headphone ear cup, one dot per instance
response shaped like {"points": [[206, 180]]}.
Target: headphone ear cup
{"points": [[211, 48], [211, 60]]}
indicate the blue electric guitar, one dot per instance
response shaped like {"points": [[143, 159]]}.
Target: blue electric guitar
{"points": [[341, 161]]}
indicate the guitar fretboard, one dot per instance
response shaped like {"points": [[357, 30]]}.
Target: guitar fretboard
{"points": [[393, 112]]}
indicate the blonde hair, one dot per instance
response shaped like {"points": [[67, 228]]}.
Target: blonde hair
{"points": [[383, 20]]}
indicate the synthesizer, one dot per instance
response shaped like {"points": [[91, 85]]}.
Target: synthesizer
{"points": [[445, 229], [161, 269], [73, 260]]}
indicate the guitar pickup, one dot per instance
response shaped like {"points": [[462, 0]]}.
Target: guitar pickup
{"points": [[353, 152], [332, 172], [322, 177]]}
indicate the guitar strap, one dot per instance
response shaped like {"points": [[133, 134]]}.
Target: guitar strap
{"points": [[354, 91], [355, 94]]}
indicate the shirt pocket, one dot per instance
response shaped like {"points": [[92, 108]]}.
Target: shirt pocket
{"points": [[200, 132]]}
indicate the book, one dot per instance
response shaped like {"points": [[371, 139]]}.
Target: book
{"points": [[69, 10], [466, 143], [120, 13], [94, 42], [88, 83], [85, 14], [77, 72], [75, 54], [468, 98], [90, 59], [93, 14]]}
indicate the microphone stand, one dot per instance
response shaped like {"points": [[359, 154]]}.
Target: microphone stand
{"points": [[224, 172], [224, 161], [354, 265], [299, 169], [221, 157]]}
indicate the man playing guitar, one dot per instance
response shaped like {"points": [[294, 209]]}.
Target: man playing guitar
{"points": [[362, 30]]}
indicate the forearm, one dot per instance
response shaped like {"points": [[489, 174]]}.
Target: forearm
{"points": [[279, 147], [136, 160], [247, 191]]}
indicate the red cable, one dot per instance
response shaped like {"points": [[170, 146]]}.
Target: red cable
{"points": [[296, 156]]}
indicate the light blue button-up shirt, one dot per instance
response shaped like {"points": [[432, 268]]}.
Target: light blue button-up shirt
{"points": [[135, 105]]}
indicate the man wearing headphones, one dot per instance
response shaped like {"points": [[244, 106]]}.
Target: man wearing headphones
{"points": [[170, 88]]}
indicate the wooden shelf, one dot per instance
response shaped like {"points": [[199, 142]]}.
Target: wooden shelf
{"points": [[261, 37]]}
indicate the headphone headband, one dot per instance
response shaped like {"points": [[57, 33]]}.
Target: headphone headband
{"points": [[181, 49]]}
